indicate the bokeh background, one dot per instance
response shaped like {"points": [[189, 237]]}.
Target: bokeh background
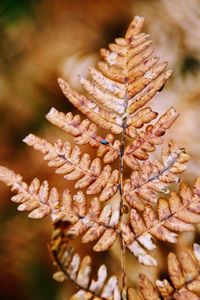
{"points": [[43, 39]]}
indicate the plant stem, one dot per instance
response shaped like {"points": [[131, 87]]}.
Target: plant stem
{"points": [[122, 148], [123, 246]]}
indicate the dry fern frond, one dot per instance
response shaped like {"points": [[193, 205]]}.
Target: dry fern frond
{"points": [[72, 267], [107, 107], [184, 273], [145, 141], [177, 214], [98, 225], [93, 222], [153, 177], [41, 201], [35, 198], [86, 132], [69, 162], [116, 99], [108, 120]]}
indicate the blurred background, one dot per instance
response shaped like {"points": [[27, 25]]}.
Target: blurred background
{"points": [[41, 40]]}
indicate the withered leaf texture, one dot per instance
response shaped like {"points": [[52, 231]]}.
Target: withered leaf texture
{"points": [[74, 166], [124, 188], [71, 266], [184, 274]]}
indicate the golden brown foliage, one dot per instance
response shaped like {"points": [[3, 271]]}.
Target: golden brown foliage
{"points": [[71, 266], [116, 100], [184, 272]]}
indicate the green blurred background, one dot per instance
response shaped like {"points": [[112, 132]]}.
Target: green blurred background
{"points": [[41, 40]]}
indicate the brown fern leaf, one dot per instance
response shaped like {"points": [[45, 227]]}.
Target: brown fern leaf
{"points": [[127, 79], [69, 162], [93, 222], [109, 121], [85, 132], [138, 245], [145, 141], [178, 214], [153, 177], [184, 273], [147, 290], [141, 117], [38, 199], [35, 198], [72, 267], [134, 121]]}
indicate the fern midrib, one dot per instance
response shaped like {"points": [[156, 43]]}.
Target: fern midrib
{"points": [[122, 148], [85, 171], [123, 246], [80, 217]]}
